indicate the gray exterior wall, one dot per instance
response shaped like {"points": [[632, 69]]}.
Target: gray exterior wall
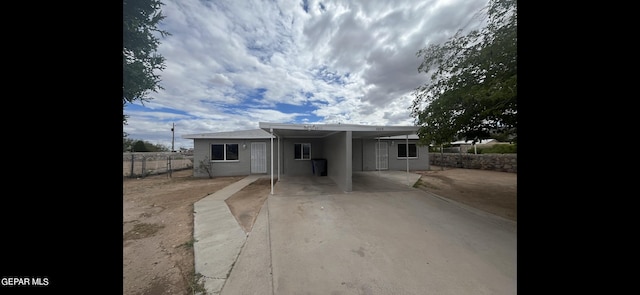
{"points": [[291, 166], [338, 152], [369, 156], [356, 154], [342, 159], [202, 153], [420, 163]]}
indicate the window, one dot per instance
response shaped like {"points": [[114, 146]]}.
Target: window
{"points": [[402, 150], [224, 152], [302, 151]]}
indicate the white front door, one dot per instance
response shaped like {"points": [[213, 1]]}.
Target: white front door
{"points": [[258, 157], [382, 156]]}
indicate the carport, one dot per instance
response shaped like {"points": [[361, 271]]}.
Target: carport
{"points": [[332, 143]]}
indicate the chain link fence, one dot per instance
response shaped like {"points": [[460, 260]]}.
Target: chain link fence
{"points": [[145, 164]]}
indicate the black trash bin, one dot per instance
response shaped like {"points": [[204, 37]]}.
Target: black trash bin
{"points": [[319, 167]]}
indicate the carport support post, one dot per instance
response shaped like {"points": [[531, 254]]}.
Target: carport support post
{"points": [[271, 130], [378, 154], [407, 153]]}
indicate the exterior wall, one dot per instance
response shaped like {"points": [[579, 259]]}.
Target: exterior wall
{"points": [[291, 166], [202, 154], [337, 149], [420, 163], [343, 154], [494, 162], [356, 155], [369, 156]]}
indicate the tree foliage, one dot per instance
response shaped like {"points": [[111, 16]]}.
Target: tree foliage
{"points": [[473, 81], [139, 146], [136, 145], [140, 59]]}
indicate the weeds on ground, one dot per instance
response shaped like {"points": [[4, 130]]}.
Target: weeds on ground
{"points": [[189, 244], [197, 285]]}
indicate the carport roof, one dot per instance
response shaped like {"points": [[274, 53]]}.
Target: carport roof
{"points": [[242, 134], [324, 130]]}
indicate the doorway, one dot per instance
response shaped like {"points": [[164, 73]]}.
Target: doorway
{"points": [[258, 157], [382, 156]]}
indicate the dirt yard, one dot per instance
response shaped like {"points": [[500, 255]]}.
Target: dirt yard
{"points": [[158, 218], [158, 228], [490, 191]]}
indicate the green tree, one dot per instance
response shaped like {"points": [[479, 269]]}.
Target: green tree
{"points": [[127, 144], [136, 145], [140, 60], [140, 146], [158, 148], [472, 91]]}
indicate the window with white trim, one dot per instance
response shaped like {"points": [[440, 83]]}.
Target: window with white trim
{"points": [[224, 152], [302, 151], [402, 150]]}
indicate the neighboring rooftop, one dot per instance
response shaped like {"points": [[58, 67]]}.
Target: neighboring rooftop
{"points": [[482, 141]]}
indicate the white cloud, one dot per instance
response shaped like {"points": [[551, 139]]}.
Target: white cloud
{"points": [[353, 61]]}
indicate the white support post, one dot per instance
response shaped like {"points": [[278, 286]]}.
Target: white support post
{"points": [[407, 146]]}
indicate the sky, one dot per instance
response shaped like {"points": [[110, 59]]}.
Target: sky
{"points": [[231, 64]]}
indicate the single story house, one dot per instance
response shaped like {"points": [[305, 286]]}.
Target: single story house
{"points": [[332, 150], [463, 146]]}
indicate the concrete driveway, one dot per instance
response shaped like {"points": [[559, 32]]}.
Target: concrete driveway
{"points": [[385, 237]]}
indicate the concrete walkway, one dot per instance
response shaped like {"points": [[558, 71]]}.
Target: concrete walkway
{"points": [[218, 236], [252, 273]]}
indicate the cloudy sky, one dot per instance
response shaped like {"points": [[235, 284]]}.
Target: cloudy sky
{"points": [[233, 63]]}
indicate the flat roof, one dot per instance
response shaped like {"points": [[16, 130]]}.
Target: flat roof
{"points": [[324, 130]]}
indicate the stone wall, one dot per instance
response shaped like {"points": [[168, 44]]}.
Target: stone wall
{"points": [[495, 162]]}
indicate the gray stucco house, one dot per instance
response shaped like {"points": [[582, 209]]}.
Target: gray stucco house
{"points": [[332, 150]]}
